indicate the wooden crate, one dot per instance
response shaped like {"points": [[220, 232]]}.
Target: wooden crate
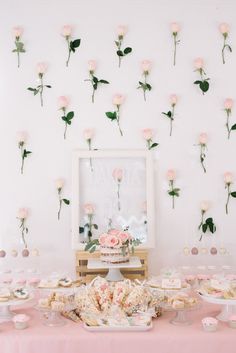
{"points": [[132, 273]]}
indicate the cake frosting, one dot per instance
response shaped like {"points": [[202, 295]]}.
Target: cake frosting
{"points": [[114, 255]]}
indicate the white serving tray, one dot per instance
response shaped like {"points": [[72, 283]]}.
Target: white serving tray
{"points": [[118, 328]]}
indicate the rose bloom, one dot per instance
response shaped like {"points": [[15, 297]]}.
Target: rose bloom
{"points": [[198, 63], [203, 138], [63, 102], [124, 236], [17, 31], [228, 177], [114, 232], [102, 239], [228, 104], [175, 27], [117, 174], [66, 31], [118, 99], [121, 30], [59, 183], [111, 241], [92, 65], [204, 206], [146, 65], [88, 134], [22, 213], [41, 68], [224, 28], [171, 175], [147, 134], [173, 99], [22, 136], [88, 209]]}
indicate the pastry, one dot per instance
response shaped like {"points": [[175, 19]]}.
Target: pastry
{"points": [[4, 294], [21, 293], [48, 283], [65, 282]]}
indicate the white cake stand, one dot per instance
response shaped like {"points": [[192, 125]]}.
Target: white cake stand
{"points": [[228, 306], [5, 313], [114, 274]]}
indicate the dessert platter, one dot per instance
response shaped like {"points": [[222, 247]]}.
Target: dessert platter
{"points": [[12, 297], [181, 303], [221, 292]]}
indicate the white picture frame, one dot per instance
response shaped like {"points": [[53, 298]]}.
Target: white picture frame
{"points": [[101, 156]]}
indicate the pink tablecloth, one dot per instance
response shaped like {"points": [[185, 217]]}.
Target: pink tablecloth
{"points": [[163, 338]]}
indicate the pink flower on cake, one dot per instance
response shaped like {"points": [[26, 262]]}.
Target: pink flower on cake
{"points": [[173, 191], [148, 136], [121, 31], [71, 44], [22, 215], [114, 232], [63, 103], [124, 236], [111, 241], [117, 176], [95, 82], [145, 86], [21, 139], [102, 239], [228, 105], [170, 113], [117, 100], [41, 69], [224, 30], [228, 179], [19, 45], [203, 82], [175, 28], [59, 186]]}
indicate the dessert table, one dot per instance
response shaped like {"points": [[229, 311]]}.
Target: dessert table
{"points": [[163, 338]]}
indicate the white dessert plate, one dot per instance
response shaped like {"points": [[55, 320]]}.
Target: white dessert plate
{"points": [[142, 328]]}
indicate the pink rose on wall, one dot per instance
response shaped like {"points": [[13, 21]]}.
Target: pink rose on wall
{"points": [[145, 86], [173, 191], [71, 44], [63, 103], [228, 105], [203, 82], [203, 138], [88, 135], [22, 215], [19, 45], [170, 114], [121, 31], [118, 176], [22, 138], [95, 82], [89, 225], [206, 224], [59, 186], [228, 179], [41, 70], [148, 137], [117, 101], [224, 30], [175, 28]]}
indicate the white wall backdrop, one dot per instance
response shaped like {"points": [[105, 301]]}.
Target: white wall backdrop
{"points": [[149, 35]]}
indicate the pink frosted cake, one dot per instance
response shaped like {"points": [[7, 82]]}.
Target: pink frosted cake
{"points": [[114, 246]]}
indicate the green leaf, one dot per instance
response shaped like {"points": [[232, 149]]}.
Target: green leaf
{"points": [[197, 82], [127, 50], [76, 43], [119, 53], [153, 145], [233, 127], [204, 86], [111, 115], [95, 86], [209, 221], [204, 227], [81, 230], [31, 89], [67, 202], [88, 246], [104, 81], [90, 234], [212, 227], [149, 87], [95, 226], [95, 79], [70, 116], [25, 153], [168, 114], [229, 47], [171, 193], [48, 86], [233, 194], [117, 43]]}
